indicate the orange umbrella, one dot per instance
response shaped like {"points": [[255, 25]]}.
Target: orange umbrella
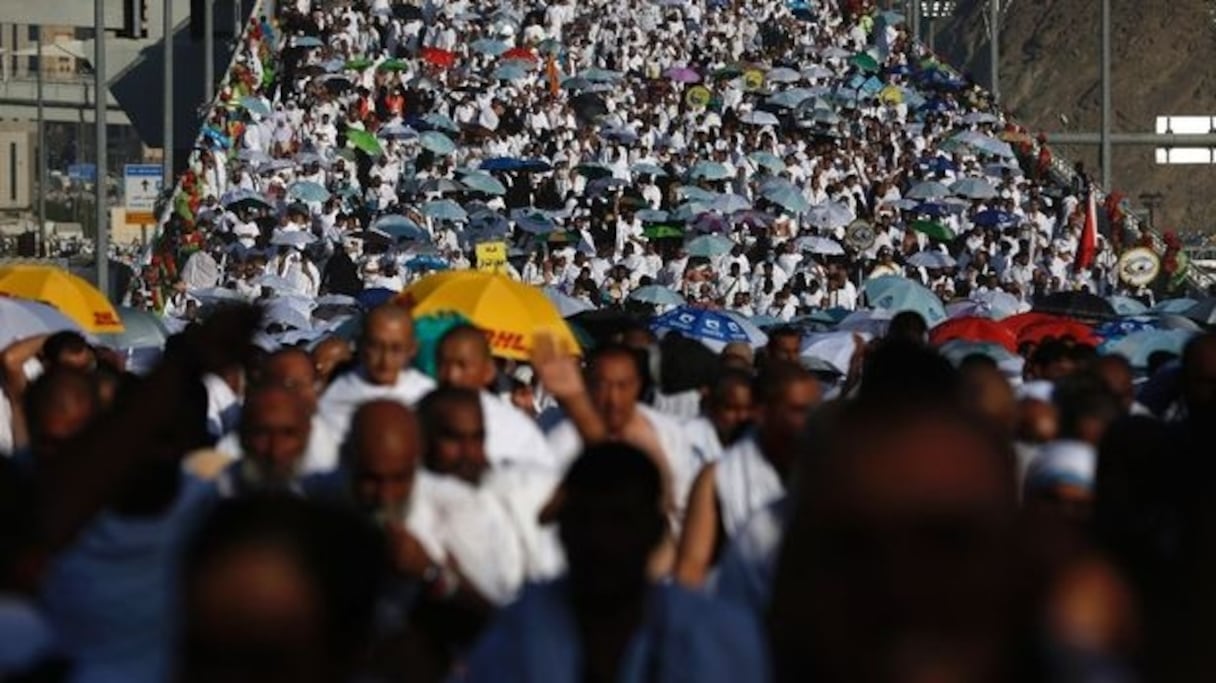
{"points": [[974, 329], [519, 53], [1058, 329], [73, 296], [438, 57]]}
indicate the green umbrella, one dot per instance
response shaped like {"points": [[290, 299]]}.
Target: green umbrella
{"points": [[934, 230], [661, 230], [364, 141], [428, 331], [392, 65], [729, 71], [865, 62], [593, 170], [359, 64]]}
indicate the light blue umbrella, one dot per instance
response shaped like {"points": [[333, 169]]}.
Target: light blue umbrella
{"points": [[489, 46], [576, 83], [437, 142], [957, 350], [932, 259], [706, 326], [897, 294], [789, 198], [444, 210], [441, 122], [400, 228], [658, 295], [510, 71], [767, 160], [652, 215], [1125, 305], [1138, 346], [308, 191], [973, 188], [142, 330], [647, 168], [830, 215], [1174, 306], [929, 189], [709, 170], [480, 181], [565, 304], [695, 194], [396, 131], [783, 74], [729, 203], [598, 75], [307, 41], [533, 221], [709, 246], [689, 211], [255, 105], [790, 99]]}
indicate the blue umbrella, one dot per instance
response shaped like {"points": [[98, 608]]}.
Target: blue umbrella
{"points": [[703, 325], [255, 105], [651, 216], [373, 297], [441, 122], [789, 198], [444, 210], [510, 71], [1175, 306], [598, 75], [437, 142], [533, 221], [689, 211], [396, 131], [991, 218], [767, 160], [1125, 305], [507, 164], [427, 263], [565, 304], [973, 188], [709, 170], [695, 194], [1138, 346], [790, 99], [489, 46], [400, 228], [308, 191], [576, 83], [485, 183], [897, 294], [709, 246], [730, 203], [647, 168], [929, 189], [1117, 329], [307, 41], [658, 295], [486, 227]]}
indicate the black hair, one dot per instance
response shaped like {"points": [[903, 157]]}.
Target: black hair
{"points": [[1080, 396], [899, 369], [59, 343], [907, 325]]}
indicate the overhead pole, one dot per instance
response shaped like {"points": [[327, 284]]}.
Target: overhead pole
{"points": [[1106, 108], [994, 47], [42, 250], [208, 51], [101, 213], [167, 100]]}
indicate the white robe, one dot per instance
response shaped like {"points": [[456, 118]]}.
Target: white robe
{"points": [[511, 436], [348, 392], [703, 440], [745, 483]]}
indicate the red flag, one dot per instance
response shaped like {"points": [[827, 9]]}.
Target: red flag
{"points": [[1087, 247]]}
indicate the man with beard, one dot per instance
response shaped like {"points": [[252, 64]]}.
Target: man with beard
{"points": [[274, 431]]}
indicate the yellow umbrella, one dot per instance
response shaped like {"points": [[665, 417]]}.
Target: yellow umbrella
{"points": [[73, 296], [510, 313]]}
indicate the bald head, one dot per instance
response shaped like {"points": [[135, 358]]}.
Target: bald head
{"points": [[1116, 373], [463, 358], [382, 451], [387, 345], [58, 406], [275, 426], [292, 369], [986, 393]]}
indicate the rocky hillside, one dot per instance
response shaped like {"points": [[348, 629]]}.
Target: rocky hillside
{"points": [[1164, 63]]}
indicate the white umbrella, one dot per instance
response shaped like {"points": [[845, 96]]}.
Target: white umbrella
{"points": [[566, 305], [834, 348], [823, 246], [292, 238], [22, 319], [759, 118], [931, 259]]}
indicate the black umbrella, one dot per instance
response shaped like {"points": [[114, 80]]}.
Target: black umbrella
{"points": [[407, 12], [1080, 305], [588, 106]]}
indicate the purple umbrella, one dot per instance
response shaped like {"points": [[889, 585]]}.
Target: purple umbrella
{"points": [[683, 74]]}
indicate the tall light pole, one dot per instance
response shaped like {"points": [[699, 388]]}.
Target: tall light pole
{"points": [[101, 213], [208, 51], [994, 47], [167, 102], [1106, 111], [41, 155]]}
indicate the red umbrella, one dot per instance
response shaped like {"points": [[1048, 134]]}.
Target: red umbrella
{"points": [[1059, 329], [1019, 322], [520, 53], [974, 329], [438, 57]]}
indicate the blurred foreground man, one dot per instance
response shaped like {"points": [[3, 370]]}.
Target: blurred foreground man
{"points": [[606, 621]]}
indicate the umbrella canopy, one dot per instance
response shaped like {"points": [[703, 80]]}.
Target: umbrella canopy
{"points": [[143, 330], [789, 198], [1080, 305], [957, 350], [933, 260], [292, 238], [1060, 328], [437, 142], [974, 329], [444, 210], [836, 348], [308, 191], [973, 188], [929, 189], [255, 105], [658, 295], [767, 161], [22, 319], [364, 140], [509, 312], [709, 246], [71, 295], [1174, 306], [830, 215], [479, 181], [489, 46], [708, 170], [682, 74], [759, 118], [897, 294], [933, 230], [566, 304], [992, 218], [1204, 311], [824, 246], [1125, 305], [400, 228], [1138, 346], [713, 328], [647, 168]]}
